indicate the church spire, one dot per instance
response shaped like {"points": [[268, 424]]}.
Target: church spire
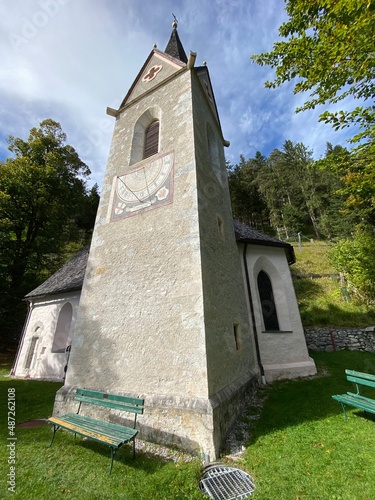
{"points": [[174, 47]]}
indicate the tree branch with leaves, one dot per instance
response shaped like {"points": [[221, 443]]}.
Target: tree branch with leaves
{"points": [[42, 199], [329, 52]]}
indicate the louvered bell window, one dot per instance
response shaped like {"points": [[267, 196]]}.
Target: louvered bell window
{"points": [[152, 139]]}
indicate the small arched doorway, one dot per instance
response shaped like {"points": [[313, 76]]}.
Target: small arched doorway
{"points": [[60, 340]]}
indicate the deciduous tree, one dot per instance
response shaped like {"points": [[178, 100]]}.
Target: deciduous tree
{"points": [[41, 194], [329, 52]]}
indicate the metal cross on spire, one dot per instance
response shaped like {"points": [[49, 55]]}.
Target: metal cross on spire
{"points": [[174, 47]]}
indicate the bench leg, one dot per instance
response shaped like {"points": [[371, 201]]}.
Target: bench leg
{"points": [[55, 428], [344, 410], [113, 451]]}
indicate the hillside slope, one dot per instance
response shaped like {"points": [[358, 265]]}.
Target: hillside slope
{"points": [[322, 298]]}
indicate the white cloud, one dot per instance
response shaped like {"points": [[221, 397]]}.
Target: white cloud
{"points": [[69, 60]]}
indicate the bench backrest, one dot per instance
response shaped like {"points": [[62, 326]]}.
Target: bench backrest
{"points": [[360, 378], [113, 401]]}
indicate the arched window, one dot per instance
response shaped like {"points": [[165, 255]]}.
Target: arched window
{"points": [[64, 321], [30, 352], [146, 135], [267, 301], [151, 139]]}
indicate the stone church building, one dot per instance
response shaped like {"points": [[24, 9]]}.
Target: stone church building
{"points": [[173, 301]]}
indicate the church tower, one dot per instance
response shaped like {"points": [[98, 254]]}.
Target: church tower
{"points": [[163, 312]]}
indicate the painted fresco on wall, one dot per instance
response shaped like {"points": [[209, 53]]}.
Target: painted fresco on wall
{"points": [[149, 185]]}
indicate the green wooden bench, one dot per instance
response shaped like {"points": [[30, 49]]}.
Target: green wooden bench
{"points": [[356, 399], [112, 435]]}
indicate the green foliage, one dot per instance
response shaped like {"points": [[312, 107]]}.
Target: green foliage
{"points": [[354, 258], [293, 218], [321, 296], [85, 219], [289, 190], [359, 180], [43, 205], [330, 51], [356, 170], [297, 183], [301, 447], [247, 203]]}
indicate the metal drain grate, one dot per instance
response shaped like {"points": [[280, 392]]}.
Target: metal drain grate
{"points": [[226, 483]]}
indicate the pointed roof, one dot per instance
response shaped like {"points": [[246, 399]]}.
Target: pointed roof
{"points": [[174, 47], [174, 54]]}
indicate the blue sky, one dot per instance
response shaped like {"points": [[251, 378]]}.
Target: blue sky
{"points": [[70, 59]]}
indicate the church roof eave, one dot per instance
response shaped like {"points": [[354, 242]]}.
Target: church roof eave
{"points": [[204, 69], [68, 278], [246, 234], [35, 295]]}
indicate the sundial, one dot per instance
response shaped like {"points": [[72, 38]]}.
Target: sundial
{"points": [[147, 186]]}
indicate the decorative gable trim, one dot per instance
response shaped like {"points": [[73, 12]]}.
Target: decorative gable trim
{"points": [[155, 52]]}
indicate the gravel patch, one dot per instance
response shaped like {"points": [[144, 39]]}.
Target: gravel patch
{"points": [[235, 443], [238, 437]]}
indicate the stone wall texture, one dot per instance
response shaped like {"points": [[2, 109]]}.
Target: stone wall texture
{"points": [[163, 291], [337, 339]]}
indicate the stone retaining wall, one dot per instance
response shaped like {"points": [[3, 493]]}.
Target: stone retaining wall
{"points": [[337, 339]]}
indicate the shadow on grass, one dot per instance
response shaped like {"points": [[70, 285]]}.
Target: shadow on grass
{"points": [[294, 402], [333, 313], [320, 304], [35, 442], [90, 450], [34, 399], [365, 416]]}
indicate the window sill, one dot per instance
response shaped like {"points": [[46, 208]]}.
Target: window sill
{"points": [[277, 331]]}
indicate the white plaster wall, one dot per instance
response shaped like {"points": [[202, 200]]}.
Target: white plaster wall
{"points": [[163, 287], [157, 59], [141, 326], [284, 354], [141, 322], [41, 323], [224, 294]]}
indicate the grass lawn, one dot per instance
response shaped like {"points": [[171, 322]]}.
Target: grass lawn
{"points": [[300, 447], [319, 293]]}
